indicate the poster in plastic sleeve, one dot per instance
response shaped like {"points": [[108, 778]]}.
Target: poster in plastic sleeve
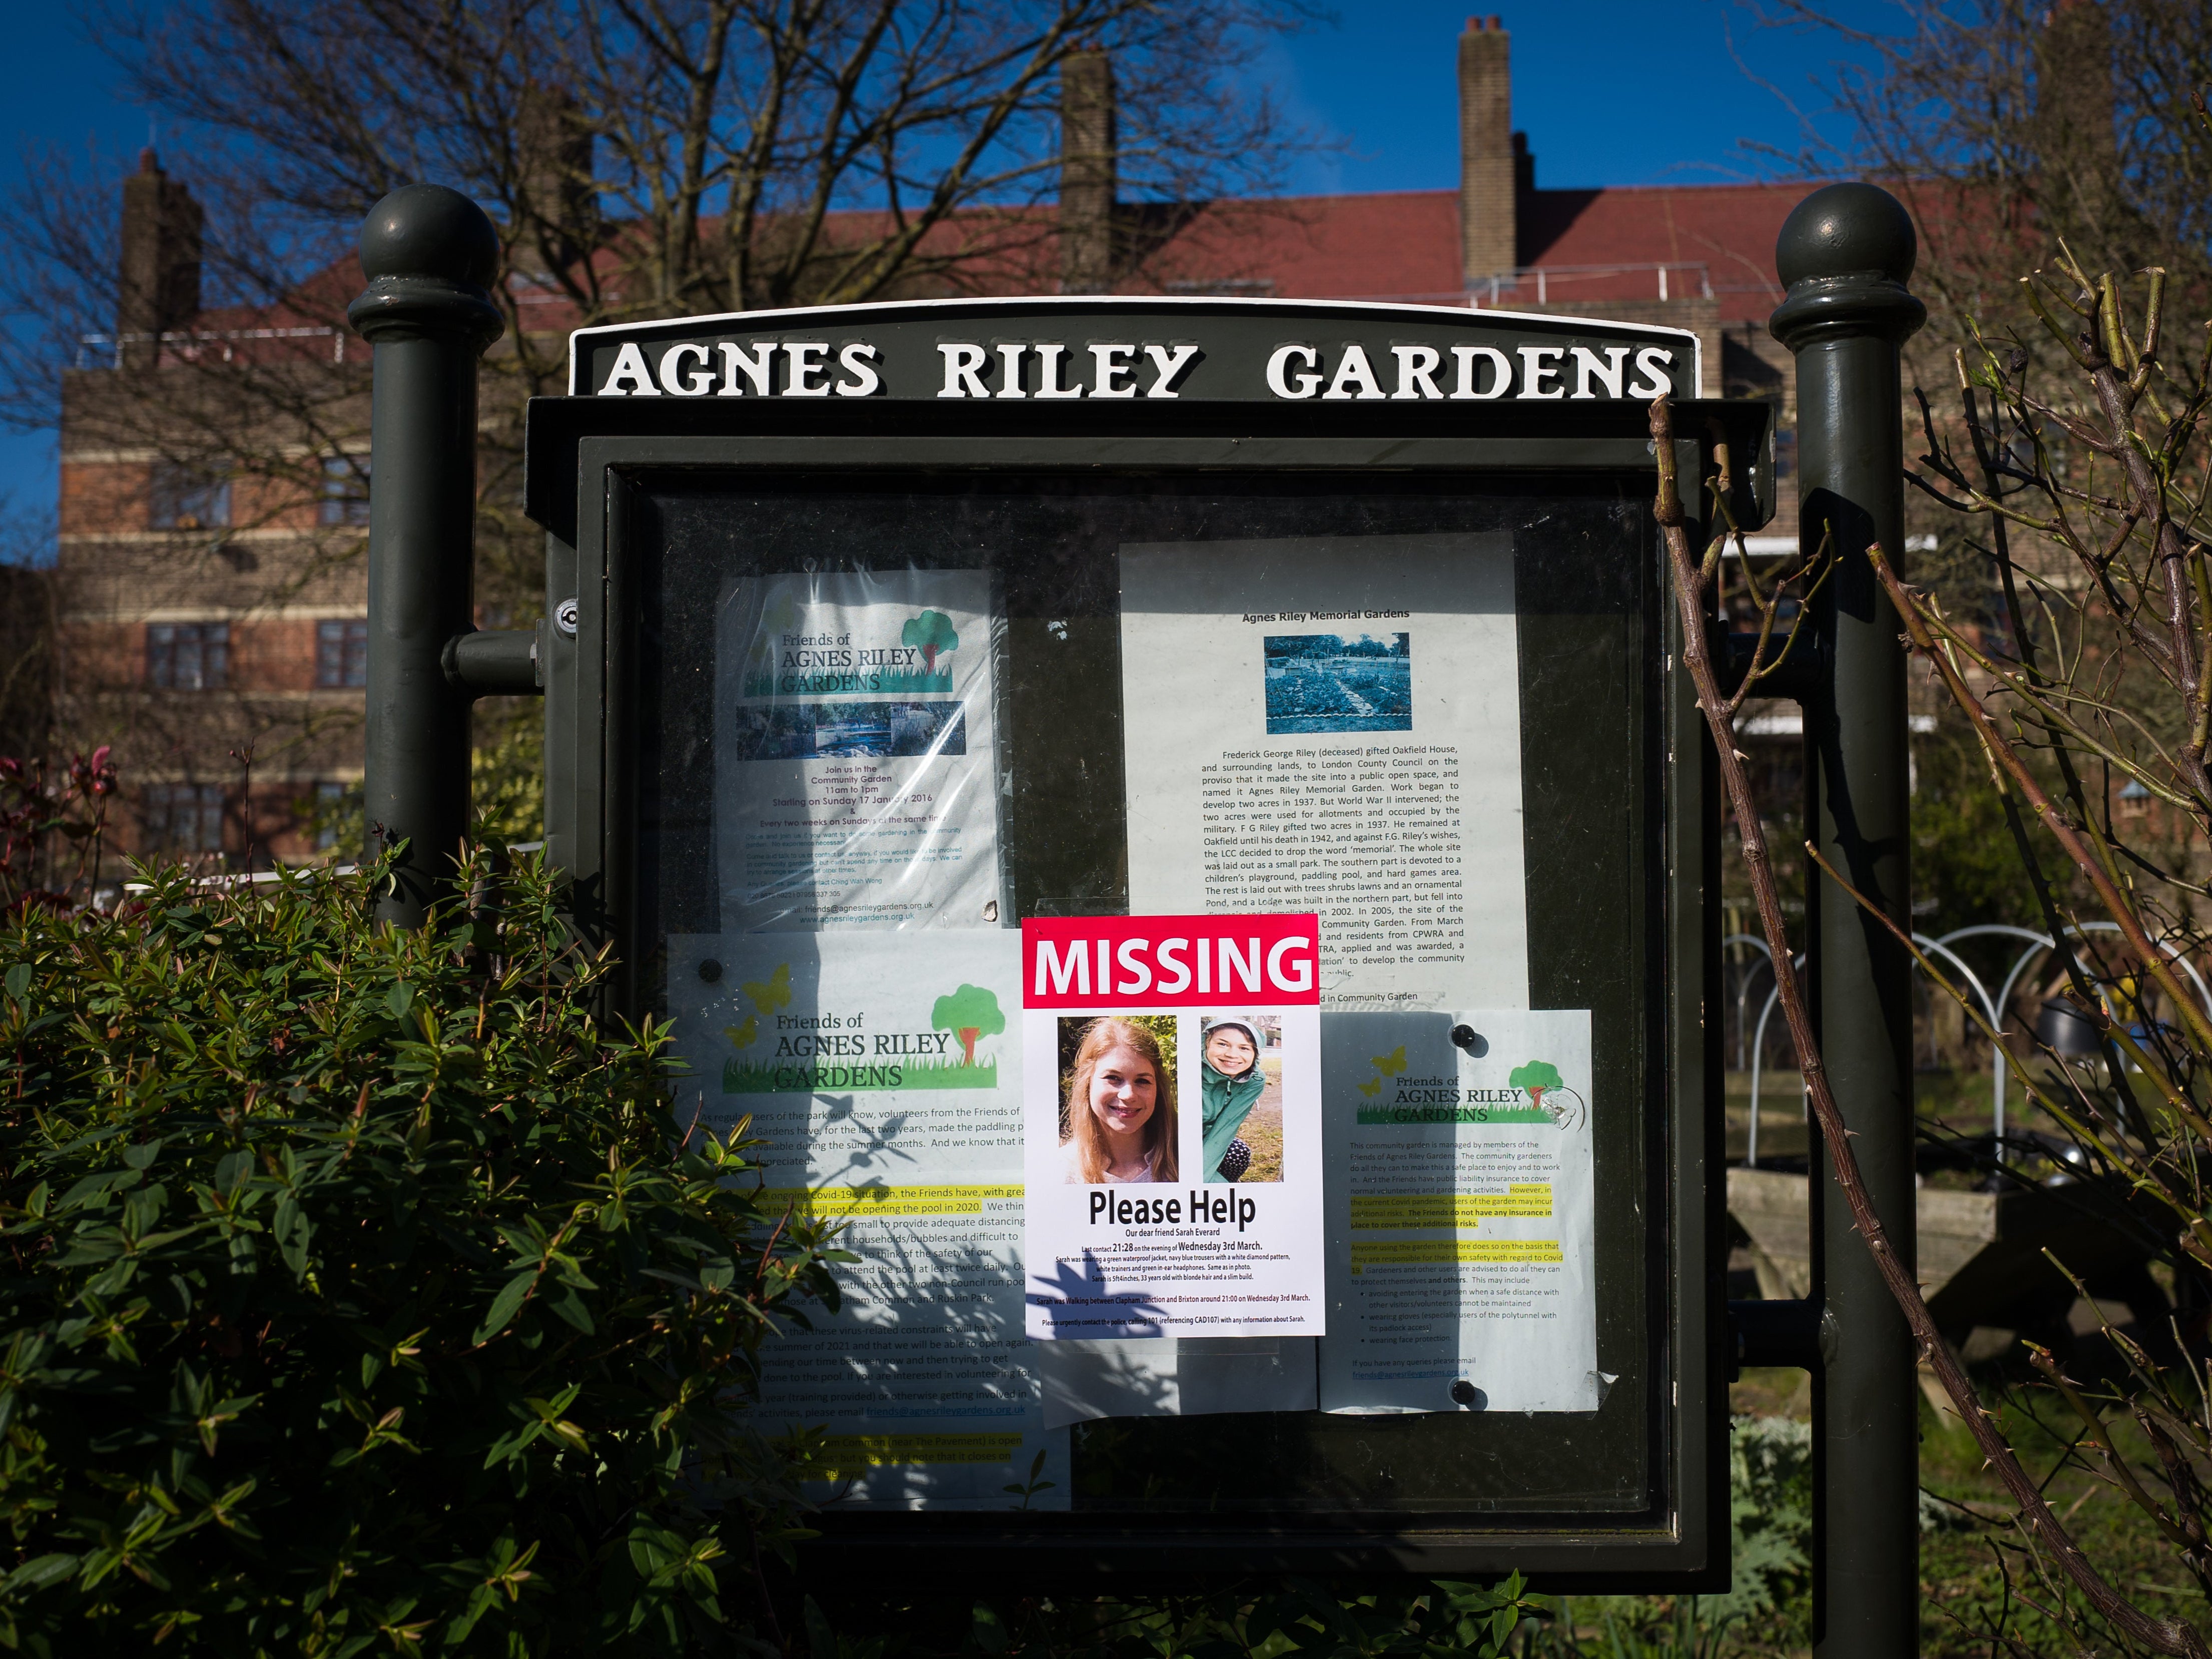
{"points": [[1171, 1110], [1333, 724], [1460, 1221], [854, 742], [881, 1074]]}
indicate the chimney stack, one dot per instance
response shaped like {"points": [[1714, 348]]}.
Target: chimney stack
{"points": [[159, 286], [2077, 146], [1088, 185], [553, 147], [1488, 169]]}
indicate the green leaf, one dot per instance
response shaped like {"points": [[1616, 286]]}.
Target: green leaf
{"points": [[572, 1307], [990, 1633], [400, 999], [40, 1571], [19, 984], [504, 1304], [290, 1229]]}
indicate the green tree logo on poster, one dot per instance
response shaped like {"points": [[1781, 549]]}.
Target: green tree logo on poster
{"points": [[1540, 1078], [971, 1011], [929, 633], [1535, 1077]]}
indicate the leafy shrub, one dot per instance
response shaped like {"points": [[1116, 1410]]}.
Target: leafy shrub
{"points": [[363, 1295], [1770, 1515], [1767, 1607], [52, 828], [1276, 1620]]}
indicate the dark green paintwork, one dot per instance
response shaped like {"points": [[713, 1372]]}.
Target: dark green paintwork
{"points": [[1848, 251], [429, 252], [610, 478]]}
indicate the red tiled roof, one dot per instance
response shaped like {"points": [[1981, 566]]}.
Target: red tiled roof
{"points": [[1609, 244], [1728, 230], [1400, 243]]}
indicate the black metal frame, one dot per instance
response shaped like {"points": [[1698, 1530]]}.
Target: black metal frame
{"points": [[1845, 255], [601, 448]]}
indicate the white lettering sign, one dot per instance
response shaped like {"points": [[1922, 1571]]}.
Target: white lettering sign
{"points": [[1480, 373], [1282, 383], [1051, 370]]}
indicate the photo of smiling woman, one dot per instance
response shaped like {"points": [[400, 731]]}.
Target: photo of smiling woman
{"points": [[1241, 1096], [1118, 1120]]}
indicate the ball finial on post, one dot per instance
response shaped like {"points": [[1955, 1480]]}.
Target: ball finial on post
{"points": [[1845, 230], [429, 254], [1845, 253], [428, 230]]}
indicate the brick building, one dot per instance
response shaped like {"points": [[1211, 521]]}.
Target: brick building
{"points": [[214, 466], [213, 511]]}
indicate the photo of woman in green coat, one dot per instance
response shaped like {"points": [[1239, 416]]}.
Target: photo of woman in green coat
{"points": [[1231, 1080]]}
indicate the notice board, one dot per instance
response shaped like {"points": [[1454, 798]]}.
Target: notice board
{"points": [[1210, 889]]}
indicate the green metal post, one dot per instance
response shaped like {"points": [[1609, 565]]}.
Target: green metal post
{"points": [[1845, 255], [428, 253]]}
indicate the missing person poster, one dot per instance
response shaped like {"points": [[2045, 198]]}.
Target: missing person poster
{"points": [[1171, 1112], [854, 743], [1334, 724], [881, 1072], [1460, 1223]]}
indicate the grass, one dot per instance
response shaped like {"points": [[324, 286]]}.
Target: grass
{"points": [[1971, 1550], [1963, 1584], [1959, 1100], [1967, 1546]]}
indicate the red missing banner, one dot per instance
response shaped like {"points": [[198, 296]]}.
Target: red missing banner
{"points": [[1170, 962]]}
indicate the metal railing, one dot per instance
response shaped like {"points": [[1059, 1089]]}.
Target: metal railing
{"points": [[1992, 1008], [1489, 290], [190, 344], [1670, 279]]}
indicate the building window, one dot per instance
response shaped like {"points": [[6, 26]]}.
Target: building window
{"points": [[342, 653], [188, 656], [186, 498], [184, 818], [335, 803], [345, 490]]}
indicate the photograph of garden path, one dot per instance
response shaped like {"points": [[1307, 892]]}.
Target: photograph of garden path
{"points": [[1336, 682]]}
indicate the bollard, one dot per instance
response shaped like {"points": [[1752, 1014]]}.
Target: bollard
{"points": [[1844, 255], [428, 253]]}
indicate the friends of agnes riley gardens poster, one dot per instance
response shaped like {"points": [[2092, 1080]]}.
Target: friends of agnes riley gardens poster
{"points": [[1171, 1126]]}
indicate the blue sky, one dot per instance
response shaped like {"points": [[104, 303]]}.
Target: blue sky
{"points": [[1611, 92]]}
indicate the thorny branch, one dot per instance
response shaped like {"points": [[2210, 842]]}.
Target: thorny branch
{"points": [[2173, 1637]]}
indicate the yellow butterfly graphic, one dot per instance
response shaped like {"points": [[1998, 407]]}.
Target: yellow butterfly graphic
{"points": [[1372, 1090], [776, 993], [741, 1037], [1392, 1063]]}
